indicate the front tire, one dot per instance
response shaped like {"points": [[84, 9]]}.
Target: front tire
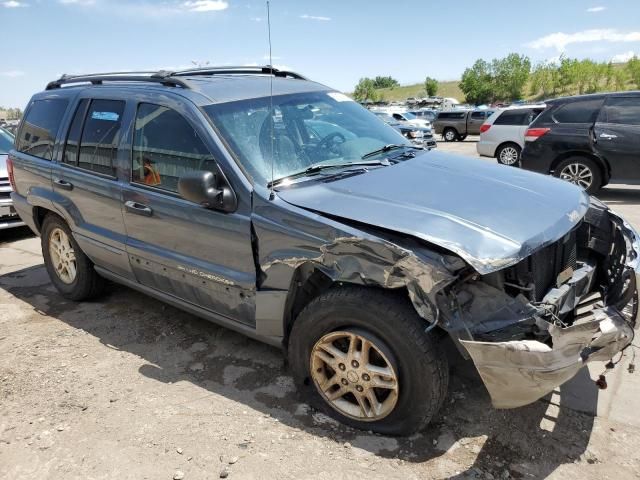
{"points": [[70, 270], [508, 154], [361, 356], [581, 171]]}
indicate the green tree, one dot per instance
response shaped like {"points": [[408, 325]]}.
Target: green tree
{"points": [[385, 82], [543, 79], [366, 90], [431, 86], [633, 69], [477, 83], [510, 75]]}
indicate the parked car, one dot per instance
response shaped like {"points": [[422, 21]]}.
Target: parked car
{"points": [[425, 114], [420, 136], [8, 216], [589, 140], [457, 124], [357, 255], [502, 134], [410, 119]]}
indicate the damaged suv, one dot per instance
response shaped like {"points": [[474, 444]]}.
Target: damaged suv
{"points": [[302, 220]]}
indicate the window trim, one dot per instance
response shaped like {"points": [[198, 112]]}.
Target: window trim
{"points": [[154, 188], [66, 139]]}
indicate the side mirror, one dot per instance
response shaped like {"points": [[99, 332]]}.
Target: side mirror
{"points": [[207, 189]]}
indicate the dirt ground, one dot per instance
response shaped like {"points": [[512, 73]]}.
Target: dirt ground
{"points": [[127, 387]]}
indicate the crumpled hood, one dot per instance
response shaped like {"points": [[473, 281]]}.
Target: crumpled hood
{"points": [[491, 215]]}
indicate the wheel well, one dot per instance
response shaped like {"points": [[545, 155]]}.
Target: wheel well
{"points": [[504, 144], [38, 216], [602, 164], [307, 284]]}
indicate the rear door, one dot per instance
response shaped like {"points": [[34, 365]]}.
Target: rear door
{"points": [[617, 136], [86, 184], [199, 255]]}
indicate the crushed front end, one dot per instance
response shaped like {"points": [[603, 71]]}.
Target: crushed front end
{"points": [[530, 327]]}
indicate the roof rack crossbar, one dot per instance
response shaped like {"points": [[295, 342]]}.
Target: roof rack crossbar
{"points": [[236, 70], [99, 78]]}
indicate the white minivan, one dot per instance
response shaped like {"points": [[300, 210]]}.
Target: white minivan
{"points": [[502, 134]]}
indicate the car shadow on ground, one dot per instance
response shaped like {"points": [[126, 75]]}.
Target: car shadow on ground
{"points": [[619, 195], [529, 441], [14, 234]]}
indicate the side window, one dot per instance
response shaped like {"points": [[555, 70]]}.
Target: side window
{"points": [[72, 145], [478, 115], [165, 147], [512, 117], [40, 127], [397, 116], [100, 136], [581, 111], [621, 110]]}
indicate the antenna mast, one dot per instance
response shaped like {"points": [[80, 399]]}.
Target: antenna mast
{"points": [[272, 195]]}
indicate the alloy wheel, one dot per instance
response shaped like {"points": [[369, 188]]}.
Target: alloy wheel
{"points": [[354, 376], [508, 156], [63, 257], [449, 136], [578, 174]]}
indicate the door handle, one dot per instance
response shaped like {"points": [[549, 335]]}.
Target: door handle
{"points": [[63, 184], [138, 208], [608, 136]]}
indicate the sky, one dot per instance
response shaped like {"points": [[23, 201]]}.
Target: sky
{"points": [[335, 42]]}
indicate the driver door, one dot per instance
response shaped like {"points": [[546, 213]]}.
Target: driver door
{"points": [[196, 254]]}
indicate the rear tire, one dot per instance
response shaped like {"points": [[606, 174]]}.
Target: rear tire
{"points": [[508, 154], [70, 270], [581, 171], [386, 325], [450, 134], [461, 137]]}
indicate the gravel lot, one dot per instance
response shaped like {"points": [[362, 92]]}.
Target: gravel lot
{"points": [[126, 387]]}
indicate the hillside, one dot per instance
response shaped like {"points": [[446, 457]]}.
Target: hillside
{"points": [[445, 89]]}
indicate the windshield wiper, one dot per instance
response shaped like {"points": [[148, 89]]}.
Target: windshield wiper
{"points": [[388, 148], [320, 167]]}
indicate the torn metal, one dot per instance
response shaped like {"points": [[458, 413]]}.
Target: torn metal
{"points": [[378, 262]]}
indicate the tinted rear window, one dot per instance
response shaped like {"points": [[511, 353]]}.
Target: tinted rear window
{"points": [[450, 115], [514, 117], [40, 126], [621, 110], [581, 111]]}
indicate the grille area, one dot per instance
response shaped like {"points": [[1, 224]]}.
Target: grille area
{"points": [[540, 270]]}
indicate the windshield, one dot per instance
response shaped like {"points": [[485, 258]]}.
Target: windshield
{"points": [[409, 116], [6, 141], [308, 128]]}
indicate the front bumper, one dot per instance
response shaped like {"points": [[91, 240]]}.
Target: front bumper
{"points": [[517, 373]]}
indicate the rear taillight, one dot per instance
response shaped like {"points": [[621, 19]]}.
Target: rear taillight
{"points": [[484, 127], [12, 179], [533, 134]]}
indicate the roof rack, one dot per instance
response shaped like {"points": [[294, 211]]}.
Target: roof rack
{"points": [[235, 70], [169, 78], [100, 78]]}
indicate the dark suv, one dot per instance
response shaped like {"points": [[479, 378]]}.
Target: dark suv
{"points": [[302, 220], [589, 140]]}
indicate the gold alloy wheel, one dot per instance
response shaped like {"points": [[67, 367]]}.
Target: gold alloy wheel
{"points": [[354, 376], [63, 257]]}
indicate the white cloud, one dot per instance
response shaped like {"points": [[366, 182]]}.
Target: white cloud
{"points": [[205, 5], [624, 57], [596, 9], [14, 4], [12, 73], [315, 17], [560, 40]]}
